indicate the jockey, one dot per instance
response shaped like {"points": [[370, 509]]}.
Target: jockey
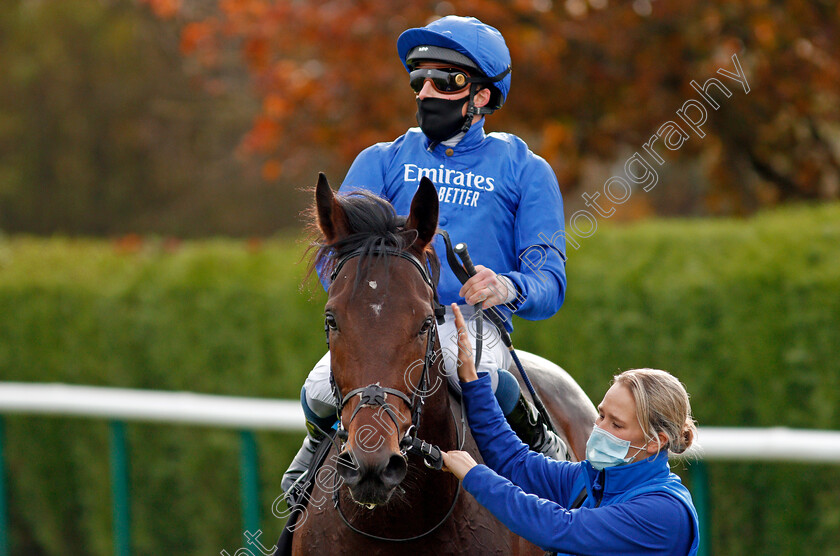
{"points": [[495, 195]]}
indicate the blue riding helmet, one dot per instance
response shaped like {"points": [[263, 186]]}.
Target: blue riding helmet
{"points": [[481, 44]]}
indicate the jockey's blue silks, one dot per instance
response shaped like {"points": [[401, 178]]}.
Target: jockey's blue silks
{"points": [[495, 195], [507, 392]]}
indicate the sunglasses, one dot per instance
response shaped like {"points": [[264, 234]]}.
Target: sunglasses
{"points": [[446, 81]]}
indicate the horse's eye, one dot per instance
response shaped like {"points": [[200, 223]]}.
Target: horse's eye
{"points": [[427, 324], [330, 320]]}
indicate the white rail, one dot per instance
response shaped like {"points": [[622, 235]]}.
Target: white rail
{"points": [[767, 444], [776, 444], [150, 405]]}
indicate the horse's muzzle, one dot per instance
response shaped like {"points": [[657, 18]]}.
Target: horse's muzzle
{"points": [[372, 481]]}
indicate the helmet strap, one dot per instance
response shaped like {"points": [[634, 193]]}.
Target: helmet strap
{"points": [[473, 110]]}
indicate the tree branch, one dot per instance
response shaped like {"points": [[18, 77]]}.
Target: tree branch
{"points": [[785, 184]]}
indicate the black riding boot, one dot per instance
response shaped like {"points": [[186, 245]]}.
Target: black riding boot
{"points": [[297, 472], [530, 427]]}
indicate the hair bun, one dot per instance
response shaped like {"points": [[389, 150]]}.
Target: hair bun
{"points": [[686, 437]]}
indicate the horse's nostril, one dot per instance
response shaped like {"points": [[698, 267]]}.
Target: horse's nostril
{"points": [[348, 469], [394, 472]]}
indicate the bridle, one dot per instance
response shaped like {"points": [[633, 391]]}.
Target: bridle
{"points": [[375, 395]]}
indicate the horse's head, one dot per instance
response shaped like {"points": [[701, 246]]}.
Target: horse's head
{"points": [[380, 327]]}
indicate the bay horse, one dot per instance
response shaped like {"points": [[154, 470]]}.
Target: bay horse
{"points": [[371, 498]]}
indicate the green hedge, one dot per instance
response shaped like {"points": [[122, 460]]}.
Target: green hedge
{"points": [[744, 312]]}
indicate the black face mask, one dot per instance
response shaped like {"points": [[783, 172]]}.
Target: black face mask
{"points": [[440, 118]]}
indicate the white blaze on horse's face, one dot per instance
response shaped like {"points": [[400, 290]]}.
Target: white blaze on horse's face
{"points": [[377, 307]]}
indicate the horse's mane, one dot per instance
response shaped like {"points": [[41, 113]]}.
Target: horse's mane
{"points": [[373, 225]]}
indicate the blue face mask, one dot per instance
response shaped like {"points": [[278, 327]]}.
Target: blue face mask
{"points": [[606, 450]]}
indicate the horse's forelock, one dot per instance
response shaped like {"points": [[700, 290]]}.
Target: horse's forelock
{"points": [[373, 224]]}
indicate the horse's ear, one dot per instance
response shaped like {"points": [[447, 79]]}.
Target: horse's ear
{"points": [[331, 218], [424, 213]]}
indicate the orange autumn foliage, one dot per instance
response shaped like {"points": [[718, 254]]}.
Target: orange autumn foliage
{"points": [[591, 79]]}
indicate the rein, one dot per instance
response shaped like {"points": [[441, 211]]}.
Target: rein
{"points": [[463, 273], [375, 395]]}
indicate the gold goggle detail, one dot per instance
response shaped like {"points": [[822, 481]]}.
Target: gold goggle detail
{"points": [[444, 81]]}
